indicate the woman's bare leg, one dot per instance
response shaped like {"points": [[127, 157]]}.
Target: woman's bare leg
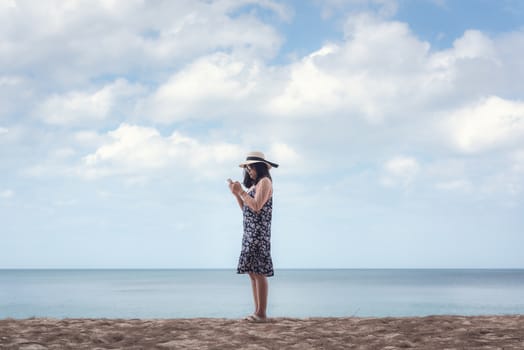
{"points": [[261, 292], [254, 287]]}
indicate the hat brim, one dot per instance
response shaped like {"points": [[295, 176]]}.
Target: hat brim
{"points": [[267, 162]]}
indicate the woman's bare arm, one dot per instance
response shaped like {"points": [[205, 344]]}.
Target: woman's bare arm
{"points": [[240, 201], [264, 190]]}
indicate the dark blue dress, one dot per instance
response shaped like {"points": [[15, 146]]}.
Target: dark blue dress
{"points": [[255, 256]]}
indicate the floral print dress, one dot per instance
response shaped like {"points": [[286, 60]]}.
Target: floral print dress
{"points": [[255, 256]]}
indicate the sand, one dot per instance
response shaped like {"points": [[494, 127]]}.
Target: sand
{"points": [[433, 332]]}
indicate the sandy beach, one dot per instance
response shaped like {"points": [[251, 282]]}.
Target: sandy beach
{"points": [[432, 332]]}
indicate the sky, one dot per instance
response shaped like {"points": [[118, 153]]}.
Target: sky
{"points": [[398, 126]]}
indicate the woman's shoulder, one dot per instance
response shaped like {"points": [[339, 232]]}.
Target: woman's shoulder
{"points": [[264, 182]]}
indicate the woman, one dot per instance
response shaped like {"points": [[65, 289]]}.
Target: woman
{"points": [[257, 207]]}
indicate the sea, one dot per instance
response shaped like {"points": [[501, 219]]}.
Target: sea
{"points": [[154, 294]]}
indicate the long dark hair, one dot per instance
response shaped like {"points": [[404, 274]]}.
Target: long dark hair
{"points": [[262, 172]]}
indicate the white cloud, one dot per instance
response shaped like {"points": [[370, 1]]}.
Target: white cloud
{"points": [[77, 107], [211, 86], [455, 185], [3, 130], [284, 153], [383, 8], [309, 90], [479, 65], [81, 39], [289, 160], [376, 74], [400, 170], [474, 44], [226, 84], [132, 147], [488, 124], [8, 81], [6, 194], [137, 150], [382, 71]]}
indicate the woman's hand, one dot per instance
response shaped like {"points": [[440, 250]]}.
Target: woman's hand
{"points": [[235, 188]]}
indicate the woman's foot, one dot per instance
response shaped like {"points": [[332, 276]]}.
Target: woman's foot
{"points": [[255, 318], [259, 319]]}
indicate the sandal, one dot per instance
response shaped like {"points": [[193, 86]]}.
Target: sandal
{"points": [[255, 319]]}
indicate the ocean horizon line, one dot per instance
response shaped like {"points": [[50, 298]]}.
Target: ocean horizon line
{"points": [[234, 269]]}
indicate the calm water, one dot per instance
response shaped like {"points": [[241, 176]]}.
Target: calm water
{"points": [[293, 293]]}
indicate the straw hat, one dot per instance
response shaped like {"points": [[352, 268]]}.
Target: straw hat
{"points": [[257, 157]]}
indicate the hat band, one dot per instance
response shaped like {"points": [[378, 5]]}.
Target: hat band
{"points": [[262, 160], [256, 158]]}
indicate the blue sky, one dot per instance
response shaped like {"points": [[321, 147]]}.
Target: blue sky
{"points": [[399, 127]]}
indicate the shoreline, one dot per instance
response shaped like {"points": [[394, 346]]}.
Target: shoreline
{"points": [[427, 332]]}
